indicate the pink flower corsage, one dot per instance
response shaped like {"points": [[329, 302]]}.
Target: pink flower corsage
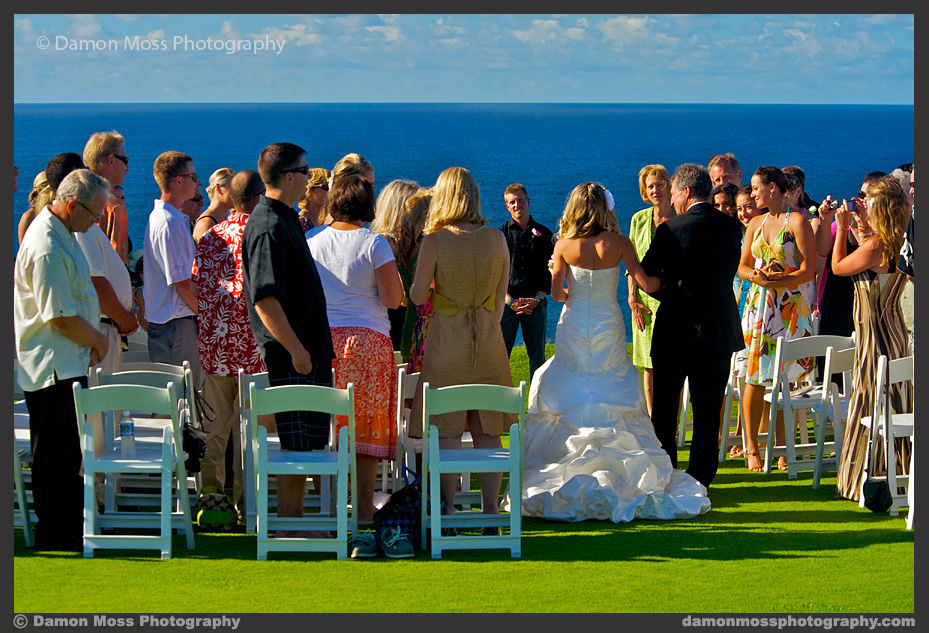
{"points": [[535, 232]]}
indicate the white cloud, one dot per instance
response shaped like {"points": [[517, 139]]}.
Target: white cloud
{"points": [[156, 35], [541, 31], [127, 17], [85, 25], [626, 30], [392, 33], [296, 33], [228, 30]]}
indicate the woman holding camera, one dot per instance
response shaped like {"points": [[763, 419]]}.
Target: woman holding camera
{"points": [[778, 258], [879, 327]]}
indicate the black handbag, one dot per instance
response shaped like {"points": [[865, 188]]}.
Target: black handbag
{"points": [[877, 497], [194, 437], [403, 511]]}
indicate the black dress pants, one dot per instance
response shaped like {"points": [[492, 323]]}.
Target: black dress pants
{"points": [[57, 483], [708, 376]]}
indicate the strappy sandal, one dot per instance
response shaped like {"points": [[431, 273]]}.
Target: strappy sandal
{"points": [[736, 452], [782, 465], [757, 469]]}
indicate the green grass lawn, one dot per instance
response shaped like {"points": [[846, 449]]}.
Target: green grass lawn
{"points": [[768, 545]]}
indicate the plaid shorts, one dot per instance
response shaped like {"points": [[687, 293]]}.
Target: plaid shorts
{"points": [[303, 430]]}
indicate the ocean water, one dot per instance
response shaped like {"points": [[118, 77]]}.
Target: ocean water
{"points": [[549, 148]]}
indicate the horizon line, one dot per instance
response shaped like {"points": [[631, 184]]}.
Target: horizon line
{"points": [[631, 103]]}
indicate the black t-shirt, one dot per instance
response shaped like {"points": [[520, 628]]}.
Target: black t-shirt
{"points": [[276, 262], [530, 251]]}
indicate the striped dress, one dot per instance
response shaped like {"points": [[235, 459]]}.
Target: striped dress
{"points": [[879, 329]]}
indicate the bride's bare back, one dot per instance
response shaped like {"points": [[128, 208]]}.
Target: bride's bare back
{"points": [[596, 252]]}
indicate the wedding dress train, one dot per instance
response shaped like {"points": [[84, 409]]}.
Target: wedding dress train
{"points": [[591, 450]]}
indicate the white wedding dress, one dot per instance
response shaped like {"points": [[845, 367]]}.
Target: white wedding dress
{"points": [[591, 450]]}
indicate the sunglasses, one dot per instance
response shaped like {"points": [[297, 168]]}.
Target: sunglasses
{"points": [[303, 170], [91, 213], [191, 176], [125, 159], [323, 185]]}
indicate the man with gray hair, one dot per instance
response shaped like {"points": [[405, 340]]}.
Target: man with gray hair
{"points": [[696, 255], [55, 318]]}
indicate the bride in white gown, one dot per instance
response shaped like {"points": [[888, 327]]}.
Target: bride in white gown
{"points": [[591, 450]]}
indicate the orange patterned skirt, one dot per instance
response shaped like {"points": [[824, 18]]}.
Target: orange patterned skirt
{"points": [[366, 358]]}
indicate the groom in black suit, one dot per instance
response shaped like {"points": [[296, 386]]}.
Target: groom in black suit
{"points": [[695, 254]]}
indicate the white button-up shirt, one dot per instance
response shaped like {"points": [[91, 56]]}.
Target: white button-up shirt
{"points": [[168, 252], [50, 279]]}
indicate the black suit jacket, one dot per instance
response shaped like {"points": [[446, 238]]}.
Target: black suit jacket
{"points": [[696, 255]]}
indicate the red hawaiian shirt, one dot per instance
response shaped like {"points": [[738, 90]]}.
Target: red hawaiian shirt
{"points": [[225, 341]]}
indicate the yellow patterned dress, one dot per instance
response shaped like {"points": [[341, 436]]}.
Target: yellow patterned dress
{"points": [[776, 312], [464, 343]]}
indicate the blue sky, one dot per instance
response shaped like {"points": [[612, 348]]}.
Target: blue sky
{"points": [[595, 58]]}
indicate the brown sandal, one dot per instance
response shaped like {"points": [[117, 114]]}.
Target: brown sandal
{"points": [[736, 452], [755, 469]]}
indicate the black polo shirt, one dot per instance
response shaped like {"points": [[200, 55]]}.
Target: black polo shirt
{"points": [[276, 262], [530, 251]]}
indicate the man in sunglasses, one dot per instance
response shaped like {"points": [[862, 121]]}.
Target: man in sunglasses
{"points": [[287, 308], [168, 252], [105, 155]]}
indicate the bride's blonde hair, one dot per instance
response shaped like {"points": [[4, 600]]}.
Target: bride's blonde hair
{"points": [[586, 213]]}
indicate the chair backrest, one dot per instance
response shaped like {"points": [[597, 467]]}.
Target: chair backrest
{"points": [[155, 375], [146, 365], [467, 397], [809, 346], [260, 380], [329, 400], [110, 398], [840, 362], [889, 372]]}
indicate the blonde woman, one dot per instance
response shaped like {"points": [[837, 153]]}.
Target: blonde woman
{"points": [[465, 340], [655, 189], [388, 220], [879, 327], [591, 449], [40, 196], [312, 208], [220, 201], [413, 338]]}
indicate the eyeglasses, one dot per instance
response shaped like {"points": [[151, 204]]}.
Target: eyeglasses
{"points": [[192, 176], [125, 159], [862, 195], [303, 170], [91, 213]]}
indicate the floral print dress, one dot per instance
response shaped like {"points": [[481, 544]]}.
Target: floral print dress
{"points": [[776, 312]]}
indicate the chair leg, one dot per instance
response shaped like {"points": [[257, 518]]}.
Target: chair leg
{"points": [[167, 479], [90, 512], [183, 498]]}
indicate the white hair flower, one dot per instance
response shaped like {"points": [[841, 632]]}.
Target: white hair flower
{"points": [[609, 199]]}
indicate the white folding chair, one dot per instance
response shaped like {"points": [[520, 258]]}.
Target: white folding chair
{"points": [[886, 426], [911, 489], [23, 515], [437, 462], [832, 408], [732, 428], [165, 458], [339, 463], [134, 488], [318, 501], [409, 447], [796, 402], [684, 424]]}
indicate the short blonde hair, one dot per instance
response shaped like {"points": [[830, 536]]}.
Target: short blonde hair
{"points": [[653, 170], [586, 213], [455, 198], [168, 165], [99, 146], [414, 221], [888, 214], [390, 208], [42, 193], [219, 178], [351, 164]]}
